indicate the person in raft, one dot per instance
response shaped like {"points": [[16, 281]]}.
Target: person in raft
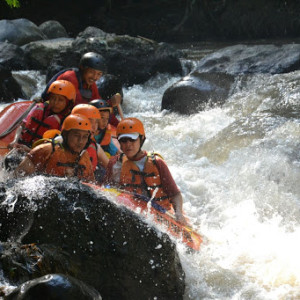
{"points": [[69, 159], [91, 67], [140, 172], [44, 116], [97, 155], [103, 136]]}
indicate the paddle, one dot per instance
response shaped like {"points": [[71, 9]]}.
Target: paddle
{"points": [[120, 110], [19, 120]]}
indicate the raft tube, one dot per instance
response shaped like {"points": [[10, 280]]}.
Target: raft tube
{"points": [[8, 117], [185, 233]]}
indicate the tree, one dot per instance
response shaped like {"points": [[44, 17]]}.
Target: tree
{"points": [[13, 3]]}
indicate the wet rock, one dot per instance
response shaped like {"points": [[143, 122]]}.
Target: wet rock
{"points": [[197, 91], [54, 286], [19, 32], [242, 59], [133, 60], [12, 57], [81, 233], [41, 53], [9, 88], [53, 29]]}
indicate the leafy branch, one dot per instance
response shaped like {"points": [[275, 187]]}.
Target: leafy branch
{"points": [[13, 3]]}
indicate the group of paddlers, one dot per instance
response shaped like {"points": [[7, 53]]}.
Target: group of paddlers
{"points": [[70, 133]]}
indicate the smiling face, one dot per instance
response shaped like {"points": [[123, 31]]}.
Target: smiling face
{"points": [[130, 147], [90, 75], [57, 103], [77, 139]]}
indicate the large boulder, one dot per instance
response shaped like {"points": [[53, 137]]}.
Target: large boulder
{"points": [[242, 59], [81, 233], [19, 32], [53, 29], [41, 53], [197, 91], [12, 56], [133, 60]]}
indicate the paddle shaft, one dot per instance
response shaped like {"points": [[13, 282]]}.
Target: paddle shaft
{"points": [[120, 111]]}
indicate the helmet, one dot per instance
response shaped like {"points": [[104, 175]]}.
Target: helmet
{"points": [[64, 88], [130, 127], [102, 105], [76, 122], [51, 134], [93, 60], [87, 110]]}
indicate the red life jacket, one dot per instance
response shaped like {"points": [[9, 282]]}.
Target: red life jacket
{"points": [[148, 180], [92, 151], [40, 121]]}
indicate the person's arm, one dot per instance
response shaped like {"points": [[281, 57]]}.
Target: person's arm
{"points": [[102, 158], [26, 167], [35, 160], [177, 201], [170, 188]]}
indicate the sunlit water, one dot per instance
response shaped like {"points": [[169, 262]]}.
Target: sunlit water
{"points": [[238, 168]]}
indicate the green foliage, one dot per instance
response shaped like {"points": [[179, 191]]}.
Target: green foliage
{"points": [[13, 3]]}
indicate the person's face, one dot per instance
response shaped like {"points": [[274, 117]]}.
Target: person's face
{"points": [[94, 123], [77, 139], [57, 103], [129, 146], [104, 119], [91, 75]]}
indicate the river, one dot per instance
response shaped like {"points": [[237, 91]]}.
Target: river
{"points": [[238, 167]]}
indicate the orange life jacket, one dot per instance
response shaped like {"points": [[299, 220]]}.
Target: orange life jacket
{"points": [[148, 180], [106, 139], [64, 163], [36, 125]]}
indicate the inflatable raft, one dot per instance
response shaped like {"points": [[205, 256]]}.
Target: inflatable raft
{"points": [[12, 116], [144, 207]]}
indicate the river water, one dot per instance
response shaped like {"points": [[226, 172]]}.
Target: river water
{"points": [[238, 167]]}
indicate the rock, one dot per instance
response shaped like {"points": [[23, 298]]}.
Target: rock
{"points": [[108, 85], [81, 233], [242, 59], [12, 57], [9, 87], [53, 29], [196, 91], [91, 32], [133, 60], [19, 32], [41, 53], [54, 286]]}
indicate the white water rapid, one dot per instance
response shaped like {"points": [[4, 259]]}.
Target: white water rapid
{"points": [[238, 167]]}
